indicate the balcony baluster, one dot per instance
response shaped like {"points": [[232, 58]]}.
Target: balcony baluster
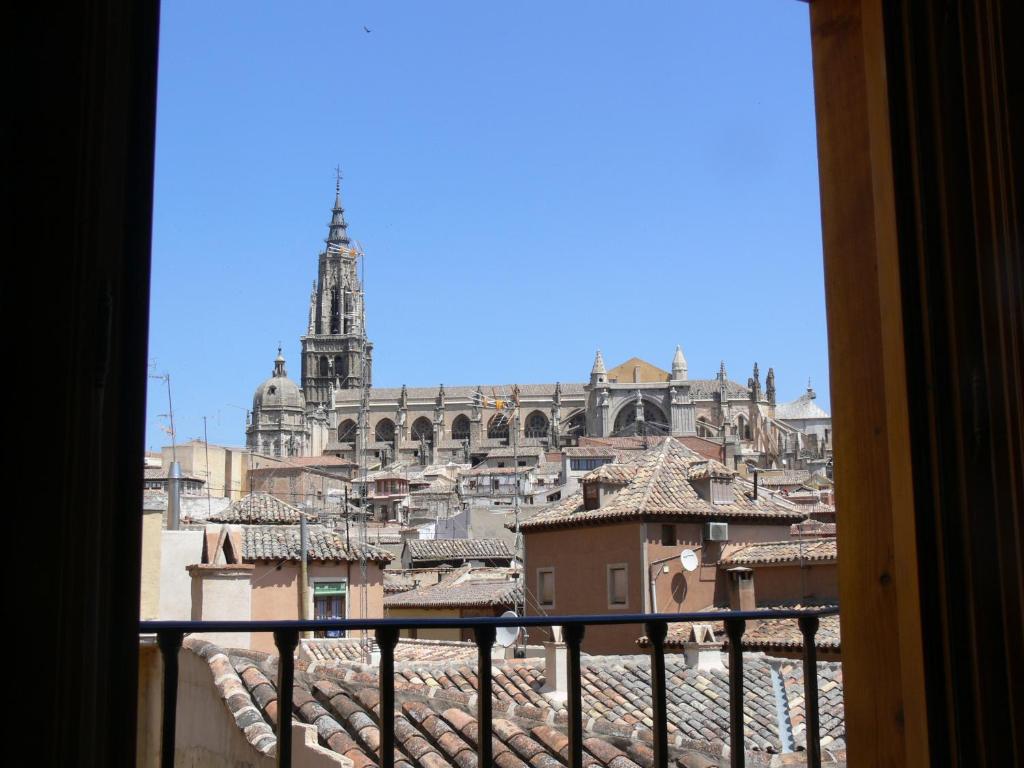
{"points": [[286, 640], [734, 629], [657, 631], [809, 628], [170, 644], [484, 703], [387, 639]]}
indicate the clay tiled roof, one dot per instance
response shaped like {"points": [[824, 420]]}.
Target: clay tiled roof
{"points": [[812, 528], [782, 552], [352, 649], [260, 509], [281, 542], [761, 635], [660, 482], [434, 730], [465, 588], [777, 477], [435, 550], [507, 452]]}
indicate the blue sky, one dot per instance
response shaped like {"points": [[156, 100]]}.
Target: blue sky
{"points": [[530, 182]]}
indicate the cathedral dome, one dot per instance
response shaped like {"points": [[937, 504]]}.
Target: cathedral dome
{"points": [[278, 392]]}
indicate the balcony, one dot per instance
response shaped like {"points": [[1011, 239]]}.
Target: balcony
{"points": [[570, 749]]}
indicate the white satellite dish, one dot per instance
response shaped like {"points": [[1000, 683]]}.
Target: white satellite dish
{"points": [[689, 560], [506, 636]]}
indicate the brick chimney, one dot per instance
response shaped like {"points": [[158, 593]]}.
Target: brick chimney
{"points": [[741, 589], [702, 650]]}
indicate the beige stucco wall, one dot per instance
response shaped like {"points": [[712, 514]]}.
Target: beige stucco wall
{"points": [[178, 550], [222, 592], [149, 593], [207, 736], [225, 474], [580, 557], [275, 593]]}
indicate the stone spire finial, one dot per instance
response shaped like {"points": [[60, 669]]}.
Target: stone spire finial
{"points": [[722, 375], [679, 368], [279, 363], [755, 385], [769, 386], [598, 364], [811, 394], [337, 234]]}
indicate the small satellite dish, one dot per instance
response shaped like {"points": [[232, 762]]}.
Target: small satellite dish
{"points": [[688, 558], [506, 636]]}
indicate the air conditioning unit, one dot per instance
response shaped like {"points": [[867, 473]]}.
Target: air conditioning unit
{"points": [[716, 532]]}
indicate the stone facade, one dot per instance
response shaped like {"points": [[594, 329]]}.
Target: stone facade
{"points": [[337, 411]]}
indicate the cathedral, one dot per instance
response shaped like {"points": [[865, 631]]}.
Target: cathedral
{"points": [[337, 411]]}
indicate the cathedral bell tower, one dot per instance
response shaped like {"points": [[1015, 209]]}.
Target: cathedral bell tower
{"points": [[335, 351]]}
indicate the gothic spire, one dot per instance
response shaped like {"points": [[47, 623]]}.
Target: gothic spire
{"points": [[337, 234], [679, 367], [598, 364]]}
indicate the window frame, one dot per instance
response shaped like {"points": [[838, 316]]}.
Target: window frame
{"points": [[548, 570], [611, 568]]}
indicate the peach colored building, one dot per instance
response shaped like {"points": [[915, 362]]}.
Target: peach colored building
{"points": [[615, 546], [344, 577]]}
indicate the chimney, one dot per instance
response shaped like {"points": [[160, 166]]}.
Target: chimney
{"points": [[741, 589], [556, 662], [702, 651], [174, 496]]}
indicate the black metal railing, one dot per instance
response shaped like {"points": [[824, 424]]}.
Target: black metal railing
{"points": [[386, 631]]}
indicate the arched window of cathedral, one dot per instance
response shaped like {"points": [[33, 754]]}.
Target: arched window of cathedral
{"points": [[324, 366], [384, 432], [536, 425], [742, 427], [655, 422], [335, 312], [339, 367], [497, 427], [576, 425], [347, 431], [422, 429], [277, 447], [460, 428]]}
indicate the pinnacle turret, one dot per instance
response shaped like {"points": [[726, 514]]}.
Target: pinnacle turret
{"points": [[679, 367], [337, 233]]}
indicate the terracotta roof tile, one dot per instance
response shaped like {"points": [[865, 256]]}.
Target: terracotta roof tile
{"points": [[778, 552], [465, 588], [440, 550], [434, 730], [260, 509], [662, 482], [281, 542]]}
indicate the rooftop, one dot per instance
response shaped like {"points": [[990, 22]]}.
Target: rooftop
{"points": [[281, 542], [467, 587], [783, 552], [433, 727], [260, 509], [660, 483], [432, 550]]}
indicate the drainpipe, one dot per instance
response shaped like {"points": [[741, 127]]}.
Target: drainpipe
{"points": [[303, 575], [174, 497]]}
